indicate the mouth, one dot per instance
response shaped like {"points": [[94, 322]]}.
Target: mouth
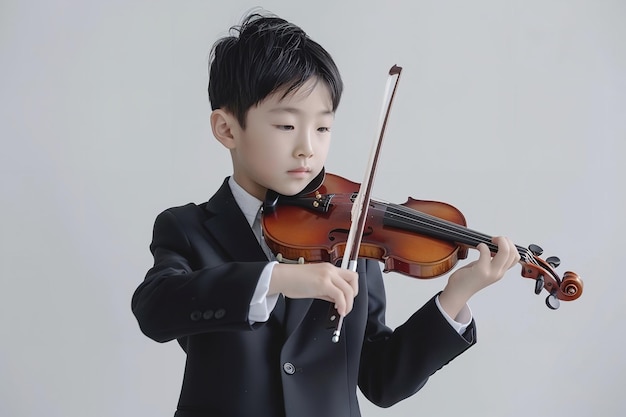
{"points": [[301, 170]]}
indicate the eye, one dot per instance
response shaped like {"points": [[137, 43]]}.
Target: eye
{"points": [[284, 127], [323, 129]]}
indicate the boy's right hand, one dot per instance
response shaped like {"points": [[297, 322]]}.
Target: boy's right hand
{"points": [[316, 280]]}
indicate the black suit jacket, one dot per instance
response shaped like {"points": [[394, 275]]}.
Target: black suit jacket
{"points": [[206, 265]]}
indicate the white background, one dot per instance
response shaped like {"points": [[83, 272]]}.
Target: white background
{"points": [[513, 111]]}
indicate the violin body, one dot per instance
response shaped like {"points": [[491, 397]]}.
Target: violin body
{"points": [[421, 239], [321, 236]]}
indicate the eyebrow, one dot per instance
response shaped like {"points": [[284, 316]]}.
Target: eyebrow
{"points": [[295, 110]]}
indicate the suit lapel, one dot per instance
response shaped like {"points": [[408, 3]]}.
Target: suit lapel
{"points": [[227, 224], [229, 227]]}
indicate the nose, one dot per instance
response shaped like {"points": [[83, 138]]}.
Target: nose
{"points": [[304, 147]]}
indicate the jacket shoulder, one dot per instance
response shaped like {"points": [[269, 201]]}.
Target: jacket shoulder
{"points": [[189, 209]]}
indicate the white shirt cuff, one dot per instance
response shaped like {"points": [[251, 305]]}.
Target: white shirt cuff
{"points": [[461, 321], [261, 305]]}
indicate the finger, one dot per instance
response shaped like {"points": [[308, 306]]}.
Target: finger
{"points": [[347, 291], [340, 293], [337, 297], [351, 278], [502, 260], [484, 255], [506, 245], [515, 255]]}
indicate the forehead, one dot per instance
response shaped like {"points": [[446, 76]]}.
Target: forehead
{"points": [[312, 92]]}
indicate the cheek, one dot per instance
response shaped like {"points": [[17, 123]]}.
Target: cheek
{"points": [[322, 149], [265, 159], [269, 153]]}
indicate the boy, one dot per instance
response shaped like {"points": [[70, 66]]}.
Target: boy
{"points": [[255, 331]]}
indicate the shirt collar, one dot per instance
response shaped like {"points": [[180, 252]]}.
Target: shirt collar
{"points": [[248, 204]]}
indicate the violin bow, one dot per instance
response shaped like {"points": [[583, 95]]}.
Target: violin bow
{"points": [[362, 200]]}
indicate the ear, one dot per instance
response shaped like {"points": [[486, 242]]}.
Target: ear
{"points": [[224, 126]]}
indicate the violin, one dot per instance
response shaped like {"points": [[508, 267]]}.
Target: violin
{"points": [[420, 239]]}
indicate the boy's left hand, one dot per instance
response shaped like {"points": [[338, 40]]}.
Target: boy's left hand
{"points": [[473, 277]]}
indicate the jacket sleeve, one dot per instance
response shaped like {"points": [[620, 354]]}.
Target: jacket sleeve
{"points": [[191, 290], [395, 364]]}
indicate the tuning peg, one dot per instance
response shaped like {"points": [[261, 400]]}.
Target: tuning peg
{"points": [[539, 283], [535, 249], [553, 261], [552, 302]]}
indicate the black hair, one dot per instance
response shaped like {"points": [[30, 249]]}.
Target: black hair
{"points": [[269, 54]]}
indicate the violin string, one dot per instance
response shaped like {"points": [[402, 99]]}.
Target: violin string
{"points": [[455, 231], [410, 217]]}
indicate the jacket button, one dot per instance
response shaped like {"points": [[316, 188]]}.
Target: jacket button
{"points": [[207, 315], [220, 313], [289, 368], [195, 316]]}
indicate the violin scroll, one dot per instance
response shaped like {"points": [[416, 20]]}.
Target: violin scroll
{"points": [[568, 288]]}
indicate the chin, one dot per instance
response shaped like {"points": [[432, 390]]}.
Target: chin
{"points": [[293, 187]]}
